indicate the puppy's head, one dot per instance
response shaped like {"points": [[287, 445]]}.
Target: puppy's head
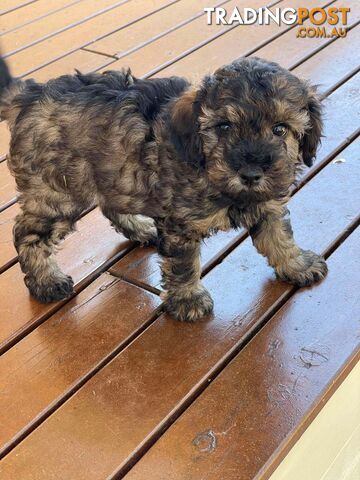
{"points": [[250, 126]]}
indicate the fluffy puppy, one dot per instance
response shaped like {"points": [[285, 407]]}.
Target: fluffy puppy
{"points": [[166, 162]]}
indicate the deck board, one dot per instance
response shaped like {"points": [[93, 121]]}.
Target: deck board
{"points": [[11, 5], [203, 51], [72, 39], [161, 23], [44, 28], [63, 348], [30, 13], [292, 54], [234, 44], [89, 385]]}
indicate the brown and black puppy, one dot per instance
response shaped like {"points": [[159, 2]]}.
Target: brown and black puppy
{"points": [[166, 162]]}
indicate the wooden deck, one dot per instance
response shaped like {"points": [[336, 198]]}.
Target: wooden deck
{"points": [[105, 385]]}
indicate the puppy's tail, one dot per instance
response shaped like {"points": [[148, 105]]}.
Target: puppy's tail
{"points": [[5, 77], [9, 88]]}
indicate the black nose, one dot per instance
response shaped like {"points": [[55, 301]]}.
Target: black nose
{"points": [[250, 177]]}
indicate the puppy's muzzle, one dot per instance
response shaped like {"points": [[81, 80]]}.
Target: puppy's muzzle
{"points": [[251, 176]]}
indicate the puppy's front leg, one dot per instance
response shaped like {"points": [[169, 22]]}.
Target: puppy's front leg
{"points": [[185, 298], [272, 236]]}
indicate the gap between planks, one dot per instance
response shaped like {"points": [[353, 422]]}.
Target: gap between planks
{"points": [[67, 27], [69, 52], [29, 22], [79, 288], [151, 39], [17, 7], [80, 383]]}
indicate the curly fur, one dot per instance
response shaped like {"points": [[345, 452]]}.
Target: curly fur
{"points": [[166, 162]]}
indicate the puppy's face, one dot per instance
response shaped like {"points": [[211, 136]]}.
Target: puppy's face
{"points": [[251, 126]]}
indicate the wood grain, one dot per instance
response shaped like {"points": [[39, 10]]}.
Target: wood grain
{"points": [[74, 38], [145, 32], [28, 35], [170, 49], [72, 343]]}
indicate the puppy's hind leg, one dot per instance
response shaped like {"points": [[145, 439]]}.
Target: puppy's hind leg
{"points": [[135, 227], [35, 238]]}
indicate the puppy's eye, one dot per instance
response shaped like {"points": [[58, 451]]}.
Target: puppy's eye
{"points": [[224, 127], [280, 130]]}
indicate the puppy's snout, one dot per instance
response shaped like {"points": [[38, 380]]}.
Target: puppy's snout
{"points": [[250, 176]]}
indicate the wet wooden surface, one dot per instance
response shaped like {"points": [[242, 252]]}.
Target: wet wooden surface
{"points": [[271, 390], [104, 385]]}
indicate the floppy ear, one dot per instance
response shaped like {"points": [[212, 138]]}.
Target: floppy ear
{"points": [[311, 139], [184, 129]]}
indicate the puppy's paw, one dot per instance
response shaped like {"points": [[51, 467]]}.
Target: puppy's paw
{"points": [[147, 237], [305, 270], [141, 229], [189, 306], [52, 288]]}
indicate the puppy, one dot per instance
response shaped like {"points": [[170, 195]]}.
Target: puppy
{"points": [[166, 162]]}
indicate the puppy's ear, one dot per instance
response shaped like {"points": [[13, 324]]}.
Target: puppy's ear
{"points": [[311, 139], [184, 129]]}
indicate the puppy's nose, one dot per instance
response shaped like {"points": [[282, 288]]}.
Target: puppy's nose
{"points": [[250, 177]]}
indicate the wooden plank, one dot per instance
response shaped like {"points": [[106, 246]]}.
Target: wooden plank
{"points": [[84, 253], [272, 390], [172, 47], [10, 5], [118, 417], [105, 317], [74, 38], [238, 42], [7, 187], [141, 266], [339, 58], [8, 253], [296, 49], [30, 13], [134, 37], [24, 37], [131, 38]]}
